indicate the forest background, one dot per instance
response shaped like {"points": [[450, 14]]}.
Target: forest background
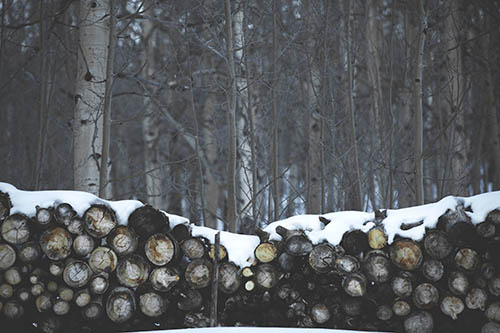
{"points": [[238, 113]]}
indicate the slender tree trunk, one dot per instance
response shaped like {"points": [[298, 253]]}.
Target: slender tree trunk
{"points": [[231, 121], [42, 113], [274, 102], [210, 146], [245, 168], [491, 111], [456, 93], [151, 121], [312, 86], [89, 94], [251, 104], [104, 172], [372, 34], [390, 186], [356, 203], [418, 96]]}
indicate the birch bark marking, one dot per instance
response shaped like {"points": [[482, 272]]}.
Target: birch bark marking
{"points": [[245, 169], [89, 94]]}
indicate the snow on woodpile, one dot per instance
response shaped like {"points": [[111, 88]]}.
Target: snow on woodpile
{"points": [[241, 247], [25, 202]]}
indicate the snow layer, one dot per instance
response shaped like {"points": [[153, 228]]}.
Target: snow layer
{"points": [[481, 205], [240, 248], [428, 214], [25, 201], [253, 330], [340, 223]]}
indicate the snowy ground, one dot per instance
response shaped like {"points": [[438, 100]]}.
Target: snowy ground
{"points": [[253, 330]]}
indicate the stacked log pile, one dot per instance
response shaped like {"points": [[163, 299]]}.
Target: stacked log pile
{"points": [[60, 271]]}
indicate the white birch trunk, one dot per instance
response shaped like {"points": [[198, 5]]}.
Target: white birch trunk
{"points": [[150, 124], [244, 175], [89, 94]]}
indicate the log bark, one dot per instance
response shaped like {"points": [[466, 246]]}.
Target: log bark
{"points": [[123, 241], [56, 243], [458, 283], [76, 226], [493, 312], [294, 242], [61, 307], [425, 296], [433, 270], [120, 305], [13, 309], [99, 284], [99, 221], [93, 311], [401, 308], [82, 298], [322, 258], [13, 276], [164, 278], [15, 229], [452, 306], [266, 276], [222, 252], [377, 267], [132, 271], [402, 286], [419, 322], [29, 252], [5, 206], [354, 284], [43, 216], [476, 299], [437, 244], [490, 327], [147, 221], [161, 249], [190, 300], [6, 291], [7, 256], [229, 278], [44, 302], [377, 239], [347, 264], [467, 260], [103, 259], [266, 252], [181, 232], [406, 254], [66, 294], [354, 242], [198, 273], [77, 273], [193, 248], [83, 245], [64, 213], [152, 304]]}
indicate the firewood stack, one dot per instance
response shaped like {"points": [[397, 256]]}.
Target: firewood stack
{"points": [[63, 272]]}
